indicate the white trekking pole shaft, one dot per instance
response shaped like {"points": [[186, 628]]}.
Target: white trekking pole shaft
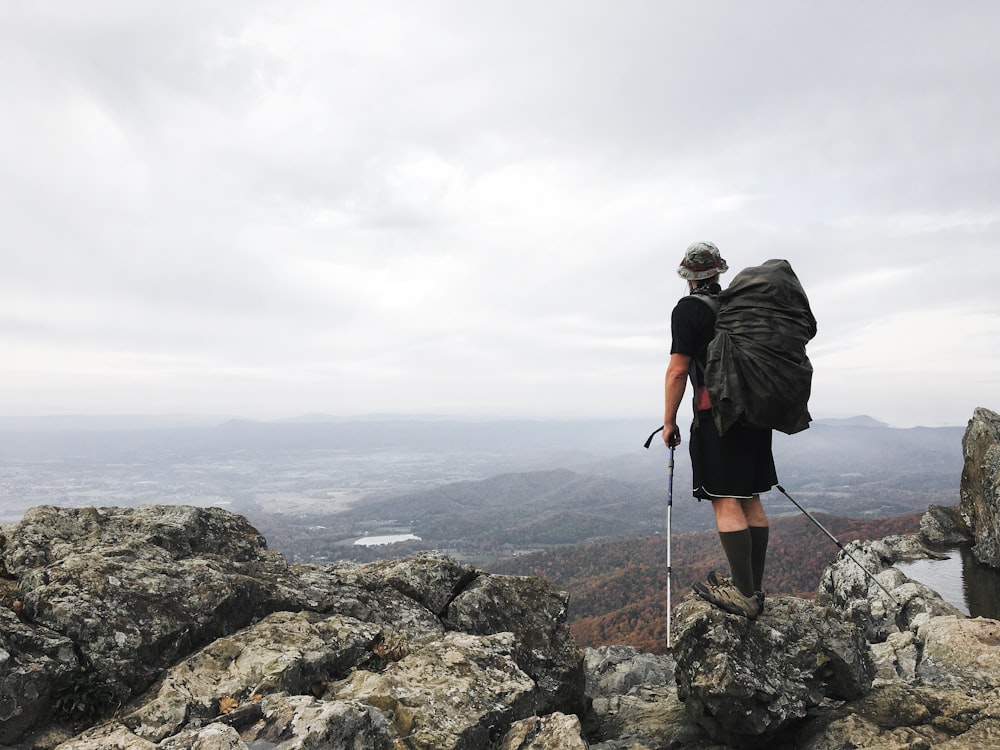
{"points": [[670, 507]]}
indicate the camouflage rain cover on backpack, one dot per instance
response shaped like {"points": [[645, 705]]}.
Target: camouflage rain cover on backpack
{"points": [[757, 370]]}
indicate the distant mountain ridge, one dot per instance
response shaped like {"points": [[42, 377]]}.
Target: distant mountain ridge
{"points": [[859, 421], [302, 475]]}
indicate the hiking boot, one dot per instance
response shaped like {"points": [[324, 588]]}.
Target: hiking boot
{"points": [[715, 578], [729, 599]]}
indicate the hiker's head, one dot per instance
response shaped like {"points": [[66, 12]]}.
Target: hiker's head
{"points": [[701, 262]]}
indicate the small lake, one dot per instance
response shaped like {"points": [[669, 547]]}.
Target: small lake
{"points": [[960, 580], [371, 541]]}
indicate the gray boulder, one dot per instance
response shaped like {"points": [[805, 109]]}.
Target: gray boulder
{"points": [[301, 722], [535, 611], [943, 527], [135, 590], [622, 670], [902, 716], [289, 722], [37, 666], [430, 579], [877, 597], [359, 591], [463, 692], [286, 652], [305, 680], [633, 703], [959, 653], [980, 488], [745, 682], [555, 731], [421, 597]]}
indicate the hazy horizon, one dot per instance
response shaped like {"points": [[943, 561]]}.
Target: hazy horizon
{"points": [[195, 419]]}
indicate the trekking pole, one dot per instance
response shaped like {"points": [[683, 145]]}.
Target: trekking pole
{"points": [[670, 506], [835, 541]]}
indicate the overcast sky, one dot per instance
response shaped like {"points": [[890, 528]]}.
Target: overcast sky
{"points": [[265, 209]]}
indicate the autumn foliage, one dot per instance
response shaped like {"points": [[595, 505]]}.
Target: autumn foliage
{"points": [[618, 587]]}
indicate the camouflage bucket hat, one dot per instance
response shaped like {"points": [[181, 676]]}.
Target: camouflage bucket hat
{"points": [[701, 260]]}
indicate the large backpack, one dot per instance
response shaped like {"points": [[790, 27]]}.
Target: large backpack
{"points": [[757, 371]]}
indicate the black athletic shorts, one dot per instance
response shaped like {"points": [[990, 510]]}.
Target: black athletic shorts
{"points": [[738, 464]]}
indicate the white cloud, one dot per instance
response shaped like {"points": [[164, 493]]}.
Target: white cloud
{"points": [[347, 208]]}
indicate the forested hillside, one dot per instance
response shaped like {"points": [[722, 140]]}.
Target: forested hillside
{"points": [[618, 588]]}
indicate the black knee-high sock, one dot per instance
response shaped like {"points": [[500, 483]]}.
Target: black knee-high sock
{"points": [[738, 548], [758, 554]]}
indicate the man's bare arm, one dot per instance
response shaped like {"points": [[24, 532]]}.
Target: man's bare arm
{"points": [[674, 384]]}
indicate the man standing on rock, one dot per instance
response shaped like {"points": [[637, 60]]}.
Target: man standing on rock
{"points": [[730, 470]]}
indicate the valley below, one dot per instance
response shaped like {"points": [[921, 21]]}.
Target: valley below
{"points": [[582, 504]]}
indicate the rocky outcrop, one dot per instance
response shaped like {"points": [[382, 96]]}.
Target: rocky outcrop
{"points": [[938, 672], [535, 613], [741, 679], [980, 489], [553, 732], [34, 663], [634, 704], [181, 624], [944, 527], [934, 682], [177, 629], [136, 589], [863, 584]]}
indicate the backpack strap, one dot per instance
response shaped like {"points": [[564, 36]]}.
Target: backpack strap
{"points": [[712, 300]]}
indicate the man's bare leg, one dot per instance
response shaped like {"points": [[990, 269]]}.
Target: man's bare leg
{"points": [[742, 527]]}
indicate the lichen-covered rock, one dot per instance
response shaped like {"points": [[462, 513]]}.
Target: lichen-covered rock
{"points": [[634, 705], [427, 652], [183, 620], [741, 679], [109, 736], [854, 731], [460, 693], [980, 488], [136, 589], [287, 652], [431, 579], [877, 597], [960, 653], [212, 737], [535, 611], [361, 592], [304, 680], [902, 716], [942, 527], [620, 670], [300, 722], [36, 668], [47, 534], [896, 658], [555, 731]]}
